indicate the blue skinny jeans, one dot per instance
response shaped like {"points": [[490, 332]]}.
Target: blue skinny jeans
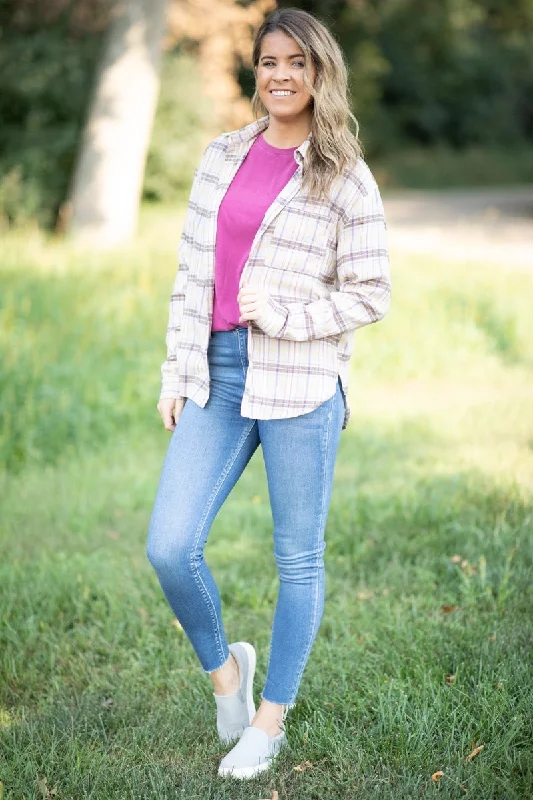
{"points": [[208, 450]]}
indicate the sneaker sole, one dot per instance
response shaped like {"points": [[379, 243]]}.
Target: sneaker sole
{"points": [[243, 772]]}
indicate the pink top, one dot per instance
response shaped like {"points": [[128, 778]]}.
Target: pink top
{"points": [[258, 181]]}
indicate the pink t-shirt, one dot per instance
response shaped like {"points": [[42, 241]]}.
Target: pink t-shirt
{"points": [[258, 181]]}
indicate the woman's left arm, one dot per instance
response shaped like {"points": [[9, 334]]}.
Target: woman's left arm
{"points": [[363, 270]]}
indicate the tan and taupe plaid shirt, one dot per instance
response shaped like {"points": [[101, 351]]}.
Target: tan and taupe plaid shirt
{"points": [[324, 264]]}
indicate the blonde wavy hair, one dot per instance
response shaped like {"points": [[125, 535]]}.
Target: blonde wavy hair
{"points": [[333, 146]]}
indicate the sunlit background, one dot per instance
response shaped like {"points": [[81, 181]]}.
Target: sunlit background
{"points": [[424, 654]]}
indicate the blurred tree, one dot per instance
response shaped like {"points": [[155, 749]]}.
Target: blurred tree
{"points": [[425, 75], [49, 61], [106, 187], [223, 31]]}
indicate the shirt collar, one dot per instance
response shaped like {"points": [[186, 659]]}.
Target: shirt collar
{"points": [[253, 129]]}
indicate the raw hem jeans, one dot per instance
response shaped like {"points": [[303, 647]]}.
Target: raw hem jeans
{"points": [[207, 453]]}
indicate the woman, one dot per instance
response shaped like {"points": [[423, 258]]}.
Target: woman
{"points": [[282, 256]]}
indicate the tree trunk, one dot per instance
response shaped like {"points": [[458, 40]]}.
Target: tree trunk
{"points": [[107, 180]]}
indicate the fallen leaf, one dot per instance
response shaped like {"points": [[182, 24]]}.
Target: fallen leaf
{"points": [[437, 776], [448, 609], [107, 703], [493, 637], [329, 704], [475, 752], [177, 624], [365, 595], [450, 679], [43, 788], [463, 787], [302, 767], [455, 559], [500, 685], [361, 639], [275, 796]]}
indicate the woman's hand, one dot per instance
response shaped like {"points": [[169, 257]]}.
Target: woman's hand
{"points": [[252, 303], [170, 410]]}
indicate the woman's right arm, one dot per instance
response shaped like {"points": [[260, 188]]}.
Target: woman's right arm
{"points": [[171, 402], [169, 367]]}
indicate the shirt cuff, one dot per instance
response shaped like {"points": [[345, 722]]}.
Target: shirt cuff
{"points": [[169, 394], [273, 319], [170, 385]]}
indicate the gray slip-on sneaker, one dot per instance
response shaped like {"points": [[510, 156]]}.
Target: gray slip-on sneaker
{"points": [[236, 711], [253, 753]]}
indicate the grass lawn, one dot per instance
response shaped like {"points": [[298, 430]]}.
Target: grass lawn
{"points": [[425, 652]]}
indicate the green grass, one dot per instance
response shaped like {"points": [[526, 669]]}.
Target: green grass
{"points": [[101, 695]]}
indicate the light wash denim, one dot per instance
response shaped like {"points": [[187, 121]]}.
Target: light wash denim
{"points": [[208, 451]]}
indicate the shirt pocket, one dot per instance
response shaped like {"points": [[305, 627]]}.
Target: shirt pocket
{"points": [[302, 241]]}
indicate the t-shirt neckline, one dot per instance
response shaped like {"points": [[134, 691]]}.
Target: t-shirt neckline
{"points": [[279, 151]]}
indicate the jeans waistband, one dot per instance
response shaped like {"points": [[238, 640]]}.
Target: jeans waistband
{"points": [[243, 328], [240, 330]]}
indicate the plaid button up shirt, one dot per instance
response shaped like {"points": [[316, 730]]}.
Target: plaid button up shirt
{"points": [[324, 264]]}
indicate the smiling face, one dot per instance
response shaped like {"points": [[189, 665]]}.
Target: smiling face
{"points": [[279, 77]]}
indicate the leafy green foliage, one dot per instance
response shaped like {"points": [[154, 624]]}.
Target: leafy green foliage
{"points": [[46, 82], [176, 146], [47, 76], [455, 75], [457, 72]]}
